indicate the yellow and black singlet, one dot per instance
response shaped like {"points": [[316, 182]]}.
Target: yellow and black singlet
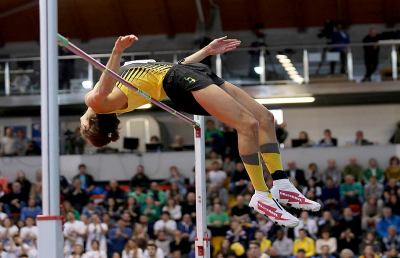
{"points": [[146, 76]]}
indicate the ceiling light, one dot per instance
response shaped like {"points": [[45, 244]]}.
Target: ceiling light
{"points": [[281, 56], [288, 100], [87, 84], [145, 106], [258, 69]]}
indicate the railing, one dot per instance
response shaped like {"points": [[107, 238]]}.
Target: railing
{"points": [[244, 66]]}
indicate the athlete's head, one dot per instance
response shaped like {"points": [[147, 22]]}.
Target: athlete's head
{"points": [[100, 129]]}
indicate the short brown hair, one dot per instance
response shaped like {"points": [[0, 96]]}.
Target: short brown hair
{"points": [[103, 129]]}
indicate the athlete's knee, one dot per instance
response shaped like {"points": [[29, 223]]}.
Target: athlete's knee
{"points": [[266, 118], [248, 125]]}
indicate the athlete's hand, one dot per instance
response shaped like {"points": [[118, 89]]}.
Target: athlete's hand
{"points": [[221, 45], [124, 42]]}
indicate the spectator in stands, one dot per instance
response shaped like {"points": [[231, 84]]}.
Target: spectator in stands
{"points": [[333, 172], [186, 225], [371, 212], [159, 196], [360, 140], [328, 140], [241, 211], [216, 176], [312, 172], [265, 244], [328, 223], [173, 208], [394, 204], [387, 220], [255, 251], [32, 149], [140, 178], [368, 252], [21, 142], [348, 240], [354, 169], [95, 251], [371, 54], [15, 199], [371, 240], [326, 241], [373, 169], [325, 252], [189, 206], [77, 196], [132, 250], [29, 233], [118, 237], [97, 231], [8, 146], [138, 195], [165, 224], [239, 179], [393, 170], [373, 189], [77, 251], [303, 140], [92, 208], [211, 158], [214, 138], [163, 242], [115, 192], [150, 209], [304, 242], [31, 210], [346, 253], [112, 208], [283, 244], [217, 192], [307, 223], [236, 234], [350, 220], [177, 178], [24, 182], [178, 143], [312, 191], [340, 37], [218, 220], [152, 251], [391, 188], [296, 174], [179, 242], [395, 139], [86, 180], [74, 232], [392, 240], [301, 253]]}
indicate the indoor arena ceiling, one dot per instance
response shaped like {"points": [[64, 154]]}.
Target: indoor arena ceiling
{"points": [[87, 19]]}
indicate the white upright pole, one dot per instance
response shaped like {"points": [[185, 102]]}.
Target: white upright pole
{"points": [[202, 243], [50, 241]]}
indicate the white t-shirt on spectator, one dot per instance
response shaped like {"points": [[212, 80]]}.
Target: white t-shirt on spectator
{"points": [[12, 231], [75, 229], [27, 233], [217, 177], [130, 254], [3, 215], [159, 254], [97, 232], [94, 254], [175, 212], [161, 225], [310, 226]]}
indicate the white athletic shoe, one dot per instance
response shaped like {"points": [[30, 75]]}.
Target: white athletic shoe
{"points": [[270, 208], [287, 194]]}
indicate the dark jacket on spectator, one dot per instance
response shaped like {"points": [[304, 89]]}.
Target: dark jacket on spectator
{"points": [[140, 180], [299, 176], [89, 181]]}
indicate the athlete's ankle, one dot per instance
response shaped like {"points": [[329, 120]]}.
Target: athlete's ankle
{"points": [[263, 193], [279, 174]]}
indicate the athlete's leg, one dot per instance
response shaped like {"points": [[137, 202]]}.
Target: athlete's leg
{"points": [[224, 107], [283, 190]]}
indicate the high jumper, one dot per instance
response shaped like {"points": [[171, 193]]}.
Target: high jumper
{"points": [[195, 89]]}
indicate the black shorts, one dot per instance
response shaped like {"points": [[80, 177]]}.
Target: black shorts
{"points": [[182, 79]]}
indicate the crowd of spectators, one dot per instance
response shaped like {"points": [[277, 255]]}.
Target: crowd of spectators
{"points": [[146, 218]]}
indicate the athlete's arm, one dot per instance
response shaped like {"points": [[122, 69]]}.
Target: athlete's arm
{"points": [[106, 83], [217, 46]]}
